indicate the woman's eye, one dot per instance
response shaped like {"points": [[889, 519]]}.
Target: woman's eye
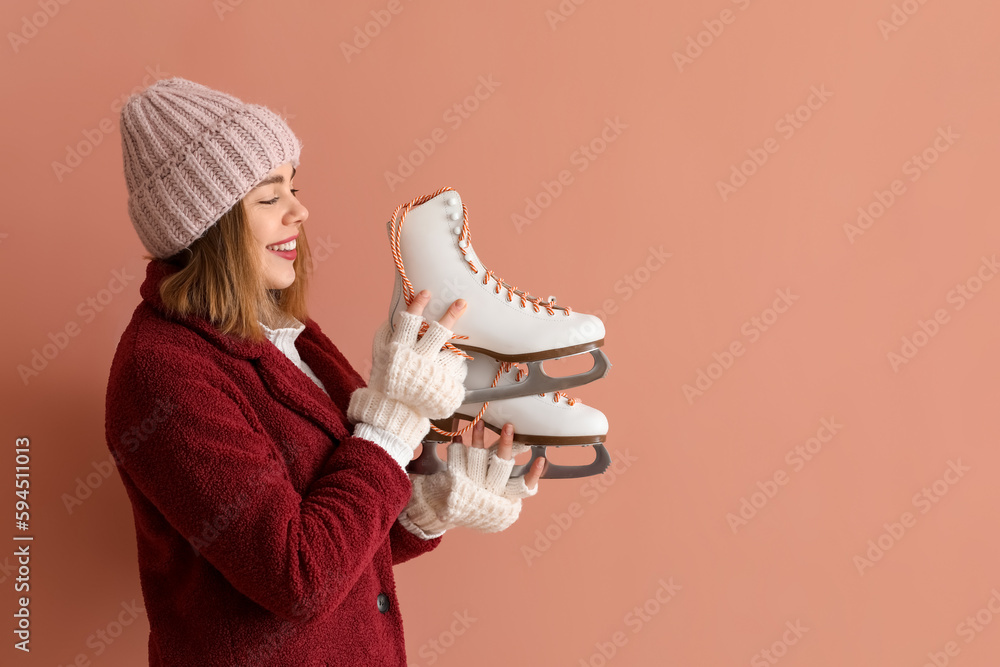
{"points": [[275, 199]]}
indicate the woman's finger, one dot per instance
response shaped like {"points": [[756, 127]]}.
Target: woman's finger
{"points": [[451, 316], [478, 434], [505, 446], [420, 301], [532, 476]]}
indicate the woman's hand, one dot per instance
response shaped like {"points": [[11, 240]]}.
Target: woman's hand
{"points": [[413, 379], [423, 297], [419, 371], [505, 450], [476, 490]]}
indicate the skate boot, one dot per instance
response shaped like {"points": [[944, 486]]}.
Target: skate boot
{"points": [[540, 421], [432, 248]]}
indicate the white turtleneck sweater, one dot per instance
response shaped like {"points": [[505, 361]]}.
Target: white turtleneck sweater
{"points": [[284, 339]]}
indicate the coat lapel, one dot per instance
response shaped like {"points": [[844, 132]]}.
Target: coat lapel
{"points": [[292, 387]]}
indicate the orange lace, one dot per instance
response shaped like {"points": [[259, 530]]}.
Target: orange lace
{"points": [[556, 395], [464, 241]]}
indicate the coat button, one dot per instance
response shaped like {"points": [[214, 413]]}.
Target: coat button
{"points": [[383, 602]]}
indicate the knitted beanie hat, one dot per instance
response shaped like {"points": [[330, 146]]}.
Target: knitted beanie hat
{"points": [[190, 153]]}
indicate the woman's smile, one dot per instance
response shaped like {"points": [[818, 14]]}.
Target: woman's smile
{"points": [[285, 249]]}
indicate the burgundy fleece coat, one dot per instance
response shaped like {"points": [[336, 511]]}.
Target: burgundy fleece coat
{"points": [[266, 532]]}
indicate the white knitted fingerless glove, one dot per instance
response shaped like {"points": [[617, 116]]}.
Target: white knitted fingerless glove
{"points": [[475, 491], [412, 381]]}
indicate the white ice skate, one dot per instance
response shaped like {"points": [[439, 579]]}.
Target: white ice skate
{"points": [[432, 248], [540, 420]]}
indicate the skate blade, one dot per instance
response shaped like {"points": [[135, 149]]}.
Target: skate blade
{"points": [[429, 463], [554, 353], [539, 382]]}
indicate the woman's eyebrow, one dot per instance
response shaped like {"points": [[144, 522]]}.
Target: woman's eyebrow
{"points": [[277, 178]]}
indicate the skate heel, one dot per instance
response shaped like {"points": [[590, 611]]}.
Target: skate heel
{"points": [[429, 462]]}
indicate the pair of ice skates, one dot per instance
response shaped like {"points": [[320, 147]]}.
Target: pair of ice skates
{"points": [[503, 326]]}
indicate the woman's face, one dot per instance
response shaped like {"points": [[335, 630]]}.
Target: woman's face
{"points": [[275, 216]]}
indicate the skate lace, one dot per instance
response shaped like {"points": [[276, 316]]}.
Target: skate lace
{"points": [[465, 241], [521, 373], [505, 366]]}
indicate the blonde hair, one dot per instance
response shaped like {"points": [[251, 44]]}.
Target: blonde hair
{"points": [[221, 279]]}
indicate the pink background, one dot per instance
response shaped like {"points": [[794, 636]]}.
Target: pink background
{"points": [[603, 545]]}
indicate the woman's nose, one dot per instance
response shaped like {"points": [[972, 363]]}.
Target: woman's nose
{"points": [[300, 214]]}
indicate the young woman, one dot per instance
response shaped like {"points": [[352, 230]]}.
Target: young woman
{"points": [[266, 478]]}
